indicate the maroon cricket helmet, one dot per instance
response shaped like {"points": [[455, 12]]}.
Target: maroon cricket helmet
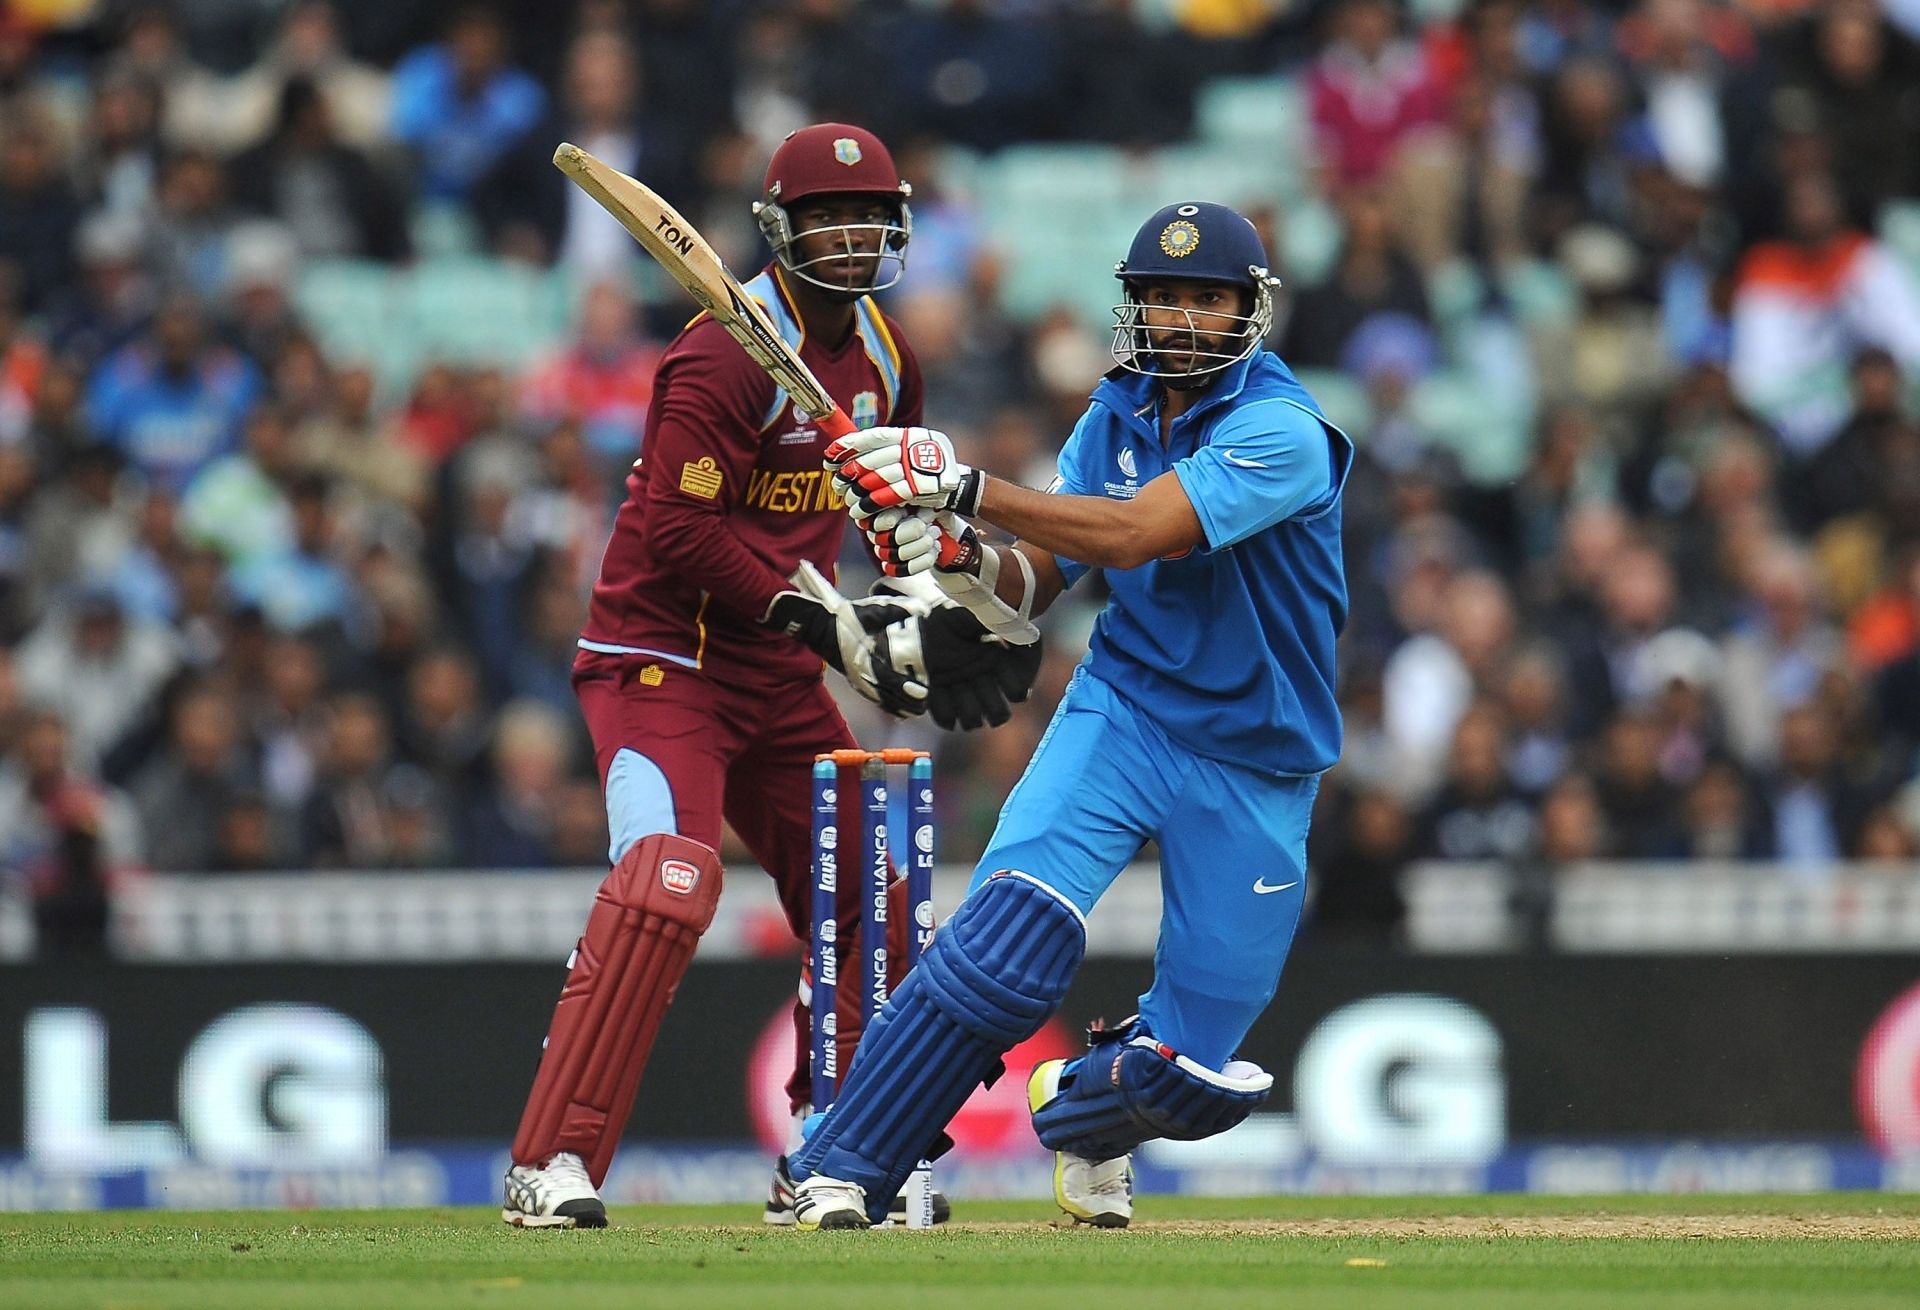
{"points": [[832, 157], [836, 159]]}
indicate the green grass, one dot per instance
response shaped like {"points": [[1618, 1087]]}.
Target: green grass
{"points": [[1853, 1250]]}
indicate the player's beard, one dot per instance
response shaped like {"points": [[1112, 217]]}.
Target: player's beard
{"points": [[1181, 351]]}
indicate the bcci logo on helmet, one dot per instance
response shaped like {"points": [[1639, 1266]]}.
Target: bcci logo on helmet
{"points": [[679, 877], [926, 457], [1179, 239]]}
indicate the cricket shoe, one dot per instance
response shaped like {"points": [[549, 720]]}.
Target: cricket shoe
{"points": [[780, 1201], [1098, 1193], [557, 1194], [823, 1202]]}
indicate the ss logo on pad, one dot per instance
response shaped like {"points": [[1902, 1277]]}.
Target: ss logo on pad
{"points": [[678, 876]]}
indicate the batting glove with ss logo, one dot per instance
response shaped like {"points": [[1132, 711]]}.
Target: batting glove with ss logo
{"points": [[879, 468]]}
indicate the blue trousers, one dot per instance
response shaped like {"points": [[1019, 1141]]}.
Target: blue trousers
{"points": [[1104, 781]]}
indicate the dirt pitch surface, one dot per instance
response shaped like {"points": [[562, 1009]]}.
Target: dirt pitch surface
{"points": [[1751, 1227]]}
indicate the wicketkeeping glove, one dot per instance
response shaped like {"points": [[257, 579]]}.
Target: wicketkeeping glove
{"points": [[879, 468], [971, 676], [841, 632]]}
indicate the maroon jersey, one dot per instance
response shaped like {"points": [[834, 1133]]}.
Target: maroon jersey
{"points": [[729, 494]]}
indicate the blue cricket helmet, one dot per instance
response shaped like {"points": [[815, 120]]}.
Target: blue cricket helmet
{"points": [[1202, 242], [1198, 240]]}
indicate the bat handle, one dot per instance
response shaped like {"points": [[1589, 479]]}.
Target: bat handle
{"points": [[837, 425]]}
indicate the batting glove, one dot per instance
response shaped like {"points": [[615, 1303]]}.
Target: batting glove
{"points": [[911, 540], [880, 468]]}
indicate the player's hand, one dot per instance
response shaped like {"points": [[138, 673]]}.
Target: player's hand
{"points": [[972, 677], [910, 540], [879, 468], [841, 632]]}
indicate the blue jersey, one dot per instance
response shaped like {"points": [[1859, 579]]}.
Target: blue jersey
{"points": [[1229, 646]]}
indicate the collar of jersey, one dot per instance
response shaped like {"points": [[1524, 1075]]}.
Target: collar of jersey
{"points": [[1131, 395]]}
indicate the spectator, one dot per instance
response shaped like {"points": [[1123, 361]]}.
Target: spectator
{"points": [[238, 503], [1803, 304], [1462, 193], [1369, 89], [1862, 77], [327, 193], [122, 161], [351, 443], [510, 825], [1776, 656], [1721, 818], [1844, 477], [63, 834], [1604, 650], [1591, 147], [446, 728], [459, 105], [602, 381], [304, 585], [1573, 826], [344, 821], [192, 224], [38, 208], [1432, 679], [114, 299], [1373, 276], [172, 402], [1817, 812], [248, 838], [1635, 798], [287, 723], [528, 207], [1478, 814], [1369, 843], [185, 795], [99, 669], [308, 50], [152, 49]]}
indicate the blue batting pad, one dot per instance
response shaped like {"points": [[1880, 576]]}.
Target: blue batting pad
{"points": [[991, 977], [1131, 1088]]}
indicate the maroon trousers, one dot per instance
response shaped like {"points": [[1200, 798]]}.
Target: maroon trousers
{"points": [[683, 750]]}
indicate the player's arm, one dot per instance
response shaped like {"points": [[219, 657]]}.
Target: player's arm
{"points": [[703, 445], [884, 467], [1095, 530]]}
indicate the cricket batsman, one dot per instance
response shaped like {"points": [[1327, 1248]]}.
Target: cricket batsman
{"points": [[700, 670], [1206, 482]]}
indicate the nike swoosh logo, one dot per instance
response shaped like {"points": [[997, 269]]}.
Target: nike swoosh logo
{"points": [[1260, 887], [1232, 458]]}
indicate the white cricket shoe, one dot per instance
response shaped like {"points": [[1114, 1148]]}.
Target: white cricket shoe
{"points": [[779, 1211], [557, 1194], [822, 1202], [1098, 1193], [1094, 1192]]}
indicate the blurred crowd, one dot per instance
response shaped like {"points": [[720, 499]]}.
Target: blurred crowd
{"points": [[262, 607]]}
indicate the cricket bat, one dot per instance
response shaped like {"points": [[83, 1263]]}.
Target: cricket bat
{"points": [[695, 265]]}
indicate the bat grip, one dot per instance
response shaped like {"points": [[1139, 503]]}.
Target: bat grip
{"points": [[837, 425]]}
